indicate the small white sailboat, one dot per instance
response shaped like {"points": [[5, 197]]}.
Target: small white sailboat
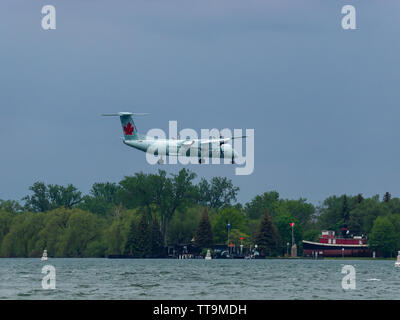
{"points": [[208, 255], [397, 263], [44, 256]]}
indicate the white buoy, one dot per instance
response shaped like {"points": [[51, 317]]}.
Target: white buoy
{"points": [[397, 263], [208, 255], [44, 256]]}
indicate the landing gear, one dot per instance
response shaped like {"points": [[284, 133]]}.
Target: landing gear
{"points": [[160, 161]]}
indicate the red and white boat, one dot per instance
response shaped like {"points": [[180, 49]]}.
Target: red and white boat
{"points": [[331, 246]]}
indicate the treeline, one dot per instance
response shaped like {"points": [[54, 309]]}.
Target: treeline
{"points": [[144, 213]]}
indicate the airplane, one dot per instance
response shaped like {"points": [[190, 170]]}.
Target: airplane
{"points": [[213, 148]]}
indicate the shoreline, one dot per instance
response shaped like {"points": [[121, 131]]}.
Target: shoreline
{"points": [[267, 258]]}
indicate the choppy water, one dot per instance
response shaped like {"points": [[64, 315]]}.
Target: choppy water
{"points": [[198, 279]]}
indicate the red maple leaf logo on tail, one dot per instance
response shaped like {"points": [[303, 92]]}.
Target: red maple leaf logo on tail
{"points": [[128, 129]]}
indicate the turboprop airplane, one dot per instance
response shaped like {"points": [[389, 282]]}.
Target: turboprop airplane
{"points": [[211, 148]]}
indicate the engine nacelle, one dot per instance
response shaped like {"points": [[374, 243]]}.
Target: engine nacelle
{"points": [[227, 151]]}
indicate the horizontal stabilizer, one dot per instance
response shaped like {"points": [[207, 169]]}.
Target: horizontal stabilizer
{"points": [[119, 114]]}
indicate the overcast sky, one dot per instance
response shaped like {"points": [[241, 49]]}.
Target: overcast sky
{"points": [[324, 102]]}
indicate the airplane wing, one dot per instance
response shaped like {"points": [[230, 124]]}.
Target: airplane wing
{"points": [[205, 142], [219, 140]]}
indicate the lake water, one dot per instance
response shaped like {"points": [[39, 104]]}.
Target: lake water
{"points": [[198, 279]]}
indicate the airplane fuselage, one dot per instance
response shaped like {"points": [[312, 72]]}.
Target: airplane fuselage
{"points": [[193, 148]]}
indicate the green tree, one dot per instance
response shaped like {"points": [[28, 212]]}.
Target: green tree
{"points": [[256, 207], [115, 242], [220, 220], [48, 197], [393, 205], [383, 237], [333, 212], [183, 225], [11, 206], [22, 238], [386, 197], [345, 209], [282, 223], [359, 198], [5, 223], [116, 236], [267, 237], [39, 201], [143, 245], [299, 209], [395, 220], [140, 190], [218, 193], [175, 194], [61, 196], [204, 237], [102, 198], [160, 193], [54, 227], [131, 244], [157, 245], [81, 230], [364, 214]]}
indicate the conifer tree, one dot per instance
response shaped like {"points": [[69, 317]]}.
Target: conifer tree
{"points": [[359, 198], [157, 243], [387, 196], [345, 209], [204, 236], [131, 243], [144, 238], [267, 237]]}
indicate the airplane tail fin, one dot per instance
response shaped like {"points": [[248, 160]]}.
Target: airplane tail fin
{"points": [[128, 125]]}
